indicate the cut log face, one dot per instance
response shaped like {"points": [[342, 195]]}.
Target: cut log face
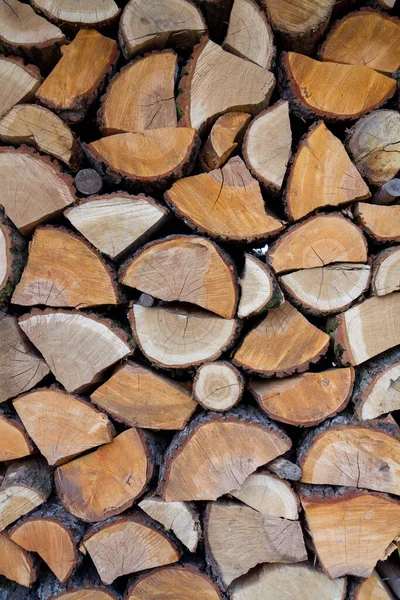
{"points": [[322, 174], [267, 146], [318, 241], [334, 516], [137, 396], [327, 290], [178, 23], [134, 543], [378, 387], [367, 329], [367, 38], [12, 257], [15, 563], [207, 92], [64, 270], [259, 289], [224, 138], [61, 425], [213, 204], [268, 495], [380, 223], [238, 538], [84, 13], [179, 517], [75, 81], [106, 482], [115, 223], [218, 386], [236, 447], [186, 269], [84, 584], [18, 83], [141, 96], [15, 442], [327, 89], [305, 400], [371, 588], [386, 272], [283, 343], [57, 335], [249, 34], [35, 125], [178, 338]]}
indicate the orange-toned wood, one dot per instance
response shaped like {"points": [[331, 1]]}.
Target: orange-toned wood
{"points": [[15, 442], [380, 223], [84, 13], [223, 140], [18, 83], [372, 588], [15, 563]]}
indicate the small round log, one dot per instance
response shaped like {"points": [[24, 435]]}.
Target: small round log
{"points": [[387, 193], [218, 386], [88, 182]]}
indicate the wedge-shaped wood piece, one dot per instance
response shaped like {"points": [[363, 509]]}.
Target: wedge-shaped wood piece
{"points": [[37, 126], [174, 583], [380, 223], [106, 482], [135, 543], [318, 241], [386, 272], [85, 13], [152, 158], [372, 588], [267, 146], [327, 89], [138, 396], [146, 25], [75, 81], [307, 399], [322, 174], [207, 92], [367, 329], [238, 538], [350, 528], [268, 495], [25, 202], [284, 469], [327, 290], [179, 517], [186, 269], [61, 425], [84, 584], [225, 204], [241, 442], [15, 442], [12, 257], [283, 343], [18, 82], [218, 385], [259, 288], [180, 338], [224, 138], [21, 367], [288, 582], [16, 564], [58, 334], [366, 38]]}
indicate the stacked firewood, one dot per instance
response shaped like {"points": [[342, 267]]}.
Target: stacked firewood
{"points": [[199, 300]]}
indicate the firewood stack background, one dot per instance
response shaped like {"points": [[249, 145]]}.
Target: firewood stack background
{"points": [[200, 300]]}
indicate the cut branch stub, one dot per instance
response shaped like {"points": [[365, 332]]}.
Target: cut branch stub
{"points": [[61, 425], [212, 203], [267, 146], [241, 442], [268, 495], [15, 442], [57, 335], [141, 96], [224, 138], [318, 241], [327, 89], [137, 396], [351, 529], [180, 338], [259, 289], [16, 564], [18, 83], [218, 386], [283, 343], [207, 92], [115, 223], [12, 257], [305, 400], [322, 174], [238, 538], [186, 269], [146, 25], [386, 272], [72, 15], [380, 223]]}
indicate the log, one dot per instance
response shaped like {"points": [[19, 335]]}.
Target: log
{"points": [[230, 528], [62, 425], [241, 441], [218, 386], [71, 15], [18, 82], [16, 564], [57, 335], [75, 82], [207, 92], [305, 400], [311, 94], [115, 223], [186, 269], [268, 161], [259, 289], [146, 26], [386, 272], [389, 192], [88, 182], [380, 223], [225, 137], [139, 397], [316, 242], [12, 257], [83, 585], [372, 588], [284, 469], [178, 338], [26, 485], [212, 203], [268, 495], [276, 346], [15, 442], [179, 517]]}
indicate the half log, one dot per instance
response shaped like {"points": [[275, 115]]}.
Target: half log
{"points": [[386, 272], [259, 289], [15, 442], [18, 82], [224, 138], [380, 223], [72, 15], [268, 495]]}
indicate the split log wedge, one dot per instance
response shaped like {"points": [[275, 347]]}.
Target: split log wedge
{"points": [[18, 82], [84, 13], [268, 495], [224, 138], [15, 442], [16, 564], [380, 223], [372, 588], [218, 386], [85, 584], [259, 289], [386, 272], [12, 257]]}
